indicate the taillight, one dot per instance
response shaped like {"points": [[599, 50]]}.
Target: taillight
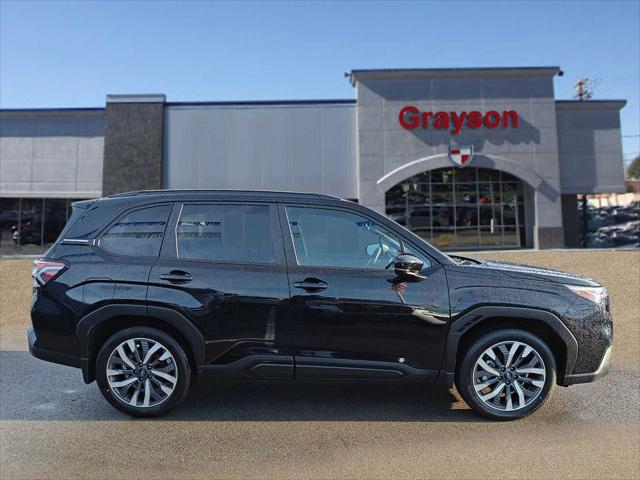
{"points": [[44, 270]]}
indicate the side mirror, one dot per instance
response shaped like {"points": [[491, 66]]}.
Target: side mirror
{"points": [[406, 264]]}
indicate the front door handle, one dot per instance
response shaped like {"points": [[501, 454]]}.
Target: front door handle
{"points": [[311, 285], [176, 276]]}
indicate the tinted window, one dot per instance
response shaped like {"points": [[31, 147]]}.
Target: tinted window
{"points": [[137, 234], [334, 238], [239, 233]]}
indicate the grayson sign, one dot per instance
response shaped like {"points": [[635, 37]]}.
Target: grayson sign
{"points": [[411, 117]]}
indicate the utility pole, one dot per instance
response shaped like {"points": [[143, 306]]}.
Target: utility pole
{"points": [[583, 89], [585, 221]]}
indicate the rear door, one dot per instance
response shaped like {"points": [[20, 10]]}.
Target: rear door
{"points": [[222, 266]]}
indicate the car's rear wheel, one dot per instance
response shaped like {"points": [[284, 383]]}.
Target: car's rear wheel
{"points": [[506, 374], [143, 372]]}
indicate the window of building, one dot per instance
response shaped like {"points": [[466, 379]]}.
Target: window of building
{"points": [[461, 208], [56, 214], [9, 222], [236, 233], [334, 238], [31, 225], [137, 234]]}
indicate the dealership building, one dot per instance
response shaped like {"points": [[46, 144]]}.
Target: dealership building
{"points": [[469, 158]]}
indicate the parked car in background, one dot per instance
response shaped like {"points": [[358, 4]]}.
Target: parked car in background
{"points": [[623, 235], [30, 230], [610, 226]]}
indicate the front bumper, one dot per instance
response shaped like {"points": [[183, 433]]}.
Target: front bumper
{"points": [[50, 355], [602, 370]]}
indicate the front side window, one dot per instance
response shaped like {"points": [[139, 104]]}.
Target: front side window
{"points": [[237, 233], [138, 233], [334, 238]]}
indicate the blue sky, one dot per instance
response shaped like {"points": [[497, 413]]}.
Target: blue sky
{"points": [[69, 54]]}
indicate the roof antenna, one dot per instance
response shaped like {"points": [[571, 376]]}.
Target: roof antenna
{"points": [[583, 89]]}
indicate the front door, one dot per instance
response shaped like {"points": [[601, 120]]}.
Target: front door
{"points": [[222, 267], [352, 316]]}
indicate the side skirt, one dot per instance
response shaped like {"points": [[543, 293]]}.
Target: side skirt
{"points": [[284, 367], [253, 366], [314, 368]]}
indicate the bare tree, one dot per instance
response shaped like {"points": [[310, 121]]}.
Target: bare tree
{"points": [[633, 170]]}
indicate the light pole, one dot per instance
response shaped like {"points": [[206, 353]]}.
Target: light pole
{"points": [[405, 189]]}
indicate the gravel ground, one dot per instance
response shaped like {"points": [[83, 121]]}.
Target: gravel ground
{"points": [[54, 426]]}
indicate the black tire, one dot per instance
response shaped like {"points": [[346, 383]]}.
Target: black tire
{"points": [[465, 373], [182, 365]]}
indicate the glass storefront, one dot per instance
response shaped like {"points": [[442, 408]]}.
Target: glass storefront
{"points": [[30, 225], [470, 208]]}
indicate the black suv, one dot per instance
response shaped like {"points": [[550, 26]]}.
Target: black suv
{"points": [[144, 289]]}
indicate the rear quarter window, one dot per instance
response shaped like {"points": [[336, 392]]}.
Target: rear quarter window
{"points": [[138, 233]]}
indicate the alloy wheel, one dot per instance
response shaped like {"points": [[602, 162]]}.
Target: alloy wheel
{"points": [[509, 376], [142, 372]]}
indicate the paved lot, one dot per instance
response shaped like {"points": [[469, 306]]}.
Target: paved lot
{"points": [[54, 426]]}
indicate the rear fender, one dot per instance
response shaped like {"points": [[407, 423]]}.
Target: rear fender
{"points": [[88, 325]]}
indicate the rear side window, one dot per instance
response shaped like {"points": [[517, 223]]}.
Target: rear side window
{"points": [[138, 233], [237, 233]]}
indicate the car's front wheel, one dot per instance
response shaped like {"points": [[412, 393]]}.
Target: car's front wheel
{"points": [[142, 371], [506, 374]]}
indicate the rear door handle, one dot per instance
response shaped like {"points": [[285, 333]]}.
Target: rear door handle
{"points": [[176, 276], [311, 285]]}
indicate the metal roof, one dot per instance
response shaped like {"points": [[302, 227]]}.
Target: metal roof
{"points": [[590, 104], [53, 110], [339, 101], [353, 75]]}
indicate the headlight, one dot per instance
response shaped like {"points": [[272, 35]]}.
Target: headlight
{"points": [[593, 294]]}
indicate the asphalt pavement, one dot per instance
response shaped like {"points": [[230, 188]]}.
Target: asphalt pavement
{"points": [[52, 425]]}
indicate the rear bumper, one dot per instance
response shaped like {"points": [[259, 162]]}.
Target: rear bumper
{"points": [[50, 355], [602, 370]]}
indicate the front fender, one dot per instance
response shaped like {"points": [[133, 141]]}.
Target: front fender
{"points": [[476, 316]]}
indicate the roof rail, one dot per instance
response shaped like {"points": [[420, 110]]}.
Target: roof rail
{"points": [[216, 191], [124, 194]]}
